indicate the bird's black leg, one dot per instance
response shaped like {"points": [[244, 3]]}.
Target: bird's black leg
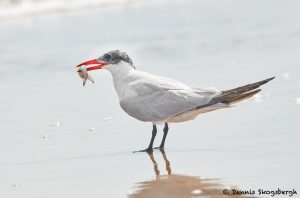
{"points": [[166, 129], [154, 131], [162, 144], [150, 147]]}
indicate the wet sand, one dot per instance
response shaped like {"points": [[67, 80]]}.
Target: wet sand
{"points": [[172, 185], [202, 43]]}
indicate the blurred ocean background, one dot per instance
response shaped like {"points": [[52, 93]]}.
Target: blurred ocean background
{"points": [[59, 139]]}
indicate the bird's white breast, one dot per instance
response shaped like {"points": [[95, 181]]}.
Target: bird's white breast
{"points": [[122, 77]]}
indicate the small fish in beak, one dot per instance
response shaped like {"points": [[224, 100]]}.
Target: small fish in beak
{"points": [[83, 69], [83, 73]]}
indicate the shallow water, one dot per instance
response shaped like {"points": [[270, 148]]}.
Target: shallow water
{"points": [[202, 43]]}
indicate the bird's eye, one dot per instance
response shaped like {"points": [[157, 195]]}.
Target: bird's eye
{"points": [[107, 56]]}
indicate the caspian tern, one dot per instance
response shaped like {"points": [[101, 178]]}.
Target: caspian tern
{"points": [[157, 99]]}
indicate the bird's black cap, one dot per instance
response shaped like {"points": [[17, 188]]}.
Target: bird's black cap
{"points": [[115, 56]]}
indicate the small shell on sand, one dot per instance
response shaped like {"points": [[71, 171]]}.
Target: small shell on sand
{"points": [[286, 76], [297, 100], [107, 119], [15, 185], [196, 192], [56, 124], [92, 129], [45, 137]]}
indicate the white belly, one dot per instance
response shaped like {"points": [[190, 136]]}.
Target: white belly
{"points": [[191, 115]]}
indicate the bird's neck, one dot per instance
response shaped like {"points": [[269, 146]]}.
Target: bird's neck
{"points": [[119, 71], [121, 79]]}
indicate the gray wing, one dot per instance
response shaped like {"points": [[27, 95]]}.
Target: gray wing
{"points": [[159, 98]]}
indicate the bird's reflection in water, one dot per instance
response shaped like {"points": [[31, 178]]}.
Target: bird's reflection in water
{"points": [[179, 186]]}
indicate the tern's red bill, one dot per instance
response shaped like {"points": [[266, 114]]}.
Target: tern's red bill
{"points": [[92, 64]]}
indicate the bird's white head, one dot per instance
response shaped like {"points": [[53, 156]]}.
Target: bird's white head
{"points": [[111, 60]]}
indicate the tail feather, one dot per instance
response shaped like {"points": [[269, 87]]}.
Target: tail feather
{"points": [[247, 87], [238, 98], [241, 93], [237, 94]]}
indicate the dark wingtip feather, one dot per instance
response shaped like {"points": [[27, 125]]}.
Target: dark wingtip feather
{"points": [[246, 88], [240, 97], [265, 81]]}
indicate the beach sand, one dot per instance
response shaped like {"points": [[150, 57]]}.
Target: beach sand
{"points": [[59, 139]]}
